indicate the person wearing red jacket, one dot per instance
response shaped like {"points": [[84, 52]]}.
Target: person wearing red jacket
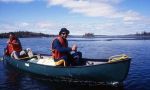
{"points": [[14, 47], [60, 49]]}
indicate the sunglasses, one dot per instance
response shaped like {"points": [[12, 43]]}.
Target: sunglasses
{"points": [[64, 33]]}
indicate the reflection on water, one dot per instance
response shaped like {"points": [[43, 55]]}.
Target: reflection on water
{"points": [[20, 80]]}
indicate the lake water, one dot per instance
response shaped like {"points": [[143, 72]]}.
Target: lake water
{"points": [[138, 77]]}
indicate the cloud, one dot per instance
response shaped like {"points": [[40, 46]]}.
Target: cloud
{"points": [[44, 25], [24, 24], [123, 21], [86, 7], [112, 27], [7, 27], [97, 8], [132, 16], [39, 26], [18, 1], [110, 1]]}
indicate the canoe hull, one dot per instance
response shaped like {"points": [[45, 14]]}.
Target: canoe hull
{"points": [[108, 72]]}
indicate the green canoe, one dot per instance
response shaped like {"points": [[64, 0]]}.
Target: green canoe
{"points": [[99, 70]]}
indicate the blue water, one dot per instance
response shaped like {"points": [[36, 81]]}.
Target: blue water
{"points": [[138, 77]]}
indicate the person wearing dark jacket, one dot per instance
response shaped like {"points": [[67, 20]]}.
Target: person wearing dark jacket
{"points": [[61, 51]]}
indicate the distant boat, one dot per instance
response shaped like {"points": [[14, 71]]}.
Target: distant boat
{"points": [[99, 70]]}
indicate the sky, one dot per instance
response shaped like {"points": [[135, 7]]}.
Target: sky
{"points": [[101, 17]]}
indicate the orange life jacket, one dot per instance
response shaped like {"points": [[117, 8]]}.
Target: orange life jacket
{"points": [[14, 47], [55, 53]]}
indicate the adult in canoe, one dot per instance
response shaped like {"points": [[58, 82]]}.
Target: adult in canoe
{"points": [[61, 51], [14, 47]]}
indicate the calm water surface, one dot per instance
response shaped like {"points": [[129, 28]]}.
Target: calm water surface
{"points": [[138, 77]]}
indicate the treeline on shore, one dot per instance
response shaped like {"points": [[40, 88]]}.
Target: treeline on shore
{"points": [[25, 34], [143, 34], [137, 34]]}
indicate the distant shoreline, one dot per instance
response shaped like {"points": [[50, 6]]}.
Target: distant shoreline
{"points": [[26, 34], [108, 38]]}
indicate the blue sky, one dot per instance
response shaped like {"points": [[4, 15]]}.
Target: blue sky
{"points": [[101, 17]]}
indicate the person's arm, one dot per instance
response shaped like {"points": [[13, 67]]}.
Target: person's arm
{"points": [[60, 48]]}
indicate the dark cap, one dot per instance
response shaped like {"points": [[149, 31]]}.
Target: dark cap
{"points": [[64, 30]]}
